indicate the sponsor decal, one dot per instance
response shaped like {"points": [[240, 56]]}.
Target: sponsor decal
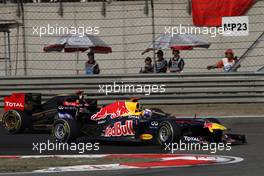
{"points": [[66, 103], [235, 26], [101, 122], [214, 126], [15, 101], [120, 130], [60, 107], [154, 123], [132, 117], [64, 115], [13, 104], [191, 139], [115, 110], [66, 107], [146, 136]]}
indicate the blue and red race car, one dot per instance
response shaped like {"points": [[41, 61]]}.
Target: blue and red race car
{"points": [[73, 116], [125, 121]]}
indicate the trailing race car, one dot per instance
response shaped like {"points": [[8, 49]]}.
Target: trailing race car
{"points": [[25, 110], [125, 121]]}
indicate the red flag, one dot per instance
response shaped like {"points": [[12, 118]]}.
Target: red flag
{"points": [[210, 12]]}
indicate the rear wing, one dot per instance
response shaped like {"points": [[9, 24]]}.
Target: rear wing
{"points": [[21, 101], [16, 101]]}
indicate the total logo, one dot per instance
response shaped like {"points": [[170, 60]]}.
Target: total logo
{"points": [[13, 104], [189, 139], [120, 130]]}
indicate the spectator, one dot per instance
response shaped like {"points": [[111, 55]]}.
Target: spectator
{"points": [[91, 66], [148, 68], [226, 63], [176, 63], [161, 63]]}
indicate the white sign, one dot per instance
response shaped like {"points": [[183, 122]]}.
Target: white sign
{"points": [[235, 26]]}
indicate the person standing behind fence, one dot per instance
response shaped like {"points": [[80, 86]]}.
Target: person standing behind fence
{"points": [[148, 68], [176, 63], [91, 66], [227, 62], [161, 63]]}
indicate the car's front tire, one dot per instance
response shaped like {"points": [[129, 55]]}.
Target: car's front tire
{"points": [[168, 132], [65, 130]]}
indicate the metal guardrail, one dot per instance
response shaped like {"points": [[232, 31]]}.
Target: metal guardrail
{"points": [[182, 88]]}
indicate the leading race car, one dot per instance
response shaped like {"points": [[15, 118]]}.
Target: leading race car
{"points": [[125, 121], [25, 111]]}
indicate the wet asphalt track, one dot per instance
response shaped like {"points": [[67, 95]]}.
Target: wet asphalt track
{"points": [[253, 154]]}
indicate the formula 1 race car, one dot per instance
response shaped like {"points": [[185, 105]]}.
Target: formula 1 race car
{"points": [[125, 121], [25, 111]]}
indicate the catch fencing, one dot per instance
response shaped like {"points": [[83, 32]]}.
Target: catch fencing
{"points": [[126, 26]]}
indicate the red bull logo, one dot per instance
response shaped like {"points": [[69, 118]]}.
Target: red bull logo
{"points": [[214, 126], [208, 125], [114, 110], [120, 130]]}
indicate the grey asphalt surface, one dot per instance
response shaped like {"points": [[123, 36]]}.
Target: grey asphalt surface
{"points": [[252, 153]]}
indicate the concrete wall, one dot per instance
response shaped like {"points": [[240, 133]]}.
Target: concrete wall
{"points": [[127, 29]]}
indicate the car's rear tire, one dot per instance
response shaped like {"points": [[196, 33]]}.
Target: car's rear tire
{"points": [[168, 132], [16, 121], [65, 130]]}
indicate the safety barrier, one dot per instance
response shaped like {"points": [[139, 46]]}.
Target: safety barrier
{"points": [[179, 88]]}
